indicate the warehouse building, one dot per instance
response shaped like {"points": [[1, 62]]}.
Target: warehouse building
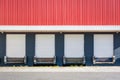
{"points": [[60, 32]]}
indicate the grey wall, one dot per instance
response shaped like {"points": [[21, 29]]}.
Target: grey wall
{"points": [[2, 48]]}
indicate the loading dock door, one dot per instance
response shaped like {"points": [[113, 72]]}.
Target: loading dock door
{"points": [[103, 45], [74, 45], [15, 45], [45, 46]]}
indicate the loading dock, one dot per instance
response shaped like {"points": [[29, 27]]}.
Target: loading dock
{"points": [[15, 48], [103, 49], [74, 49], [44, 49]]}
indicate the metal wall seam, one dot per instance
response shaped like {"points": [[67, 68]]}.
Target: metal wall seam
{"points": [[59, 12]]}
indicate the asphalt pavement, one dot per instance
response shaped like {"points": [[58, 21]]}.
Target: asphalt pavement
{"points": [[59, 73], [60, 76]]}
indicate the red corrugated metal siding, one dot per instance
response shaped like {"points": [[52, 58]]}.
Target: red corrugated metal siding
{"points": [[60, 12]]}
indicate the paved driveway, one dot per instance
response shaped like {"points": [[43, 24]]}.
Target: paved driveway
{"points": [[59, 76], [60, 73]]}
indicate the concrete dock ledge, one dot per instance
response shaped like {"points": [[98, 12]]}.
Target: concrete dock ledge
{"points": [[60, 69]]}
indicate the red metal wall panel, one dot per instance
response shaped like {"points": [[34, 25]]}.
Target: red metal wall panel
{"points": [[60, 12]]}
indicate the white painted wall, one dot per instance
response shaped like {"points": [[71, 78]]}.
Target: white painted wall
{"points": [[74, 45], [103, 45], [15, 45], [45, 45]]}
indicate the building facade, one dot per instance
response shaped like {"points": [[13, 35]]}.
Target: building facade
{"points": [[60, 32]]}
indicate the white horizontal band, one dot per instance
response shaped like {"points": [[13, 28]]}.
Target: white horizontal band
{"points": [[61, 28]]}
